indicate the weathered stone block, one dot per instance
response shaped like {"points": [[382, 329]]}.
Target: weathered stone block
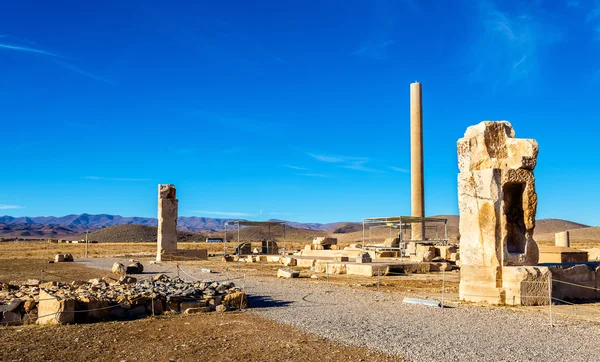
{"points": [[287, 273], [237, 300], [52, 310], [497, 204], [167, 220], [118, 268]]}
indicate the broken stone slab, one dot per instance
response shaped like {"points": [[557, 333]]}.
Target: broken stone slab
{"points": [[237, 300], [221, 308], [119, 268], [11, 306], [365, 258], [60, 258], [52, 310], [324, 241], [193, 304], [134, 268], [287, 273], [197, 310], [287, 261], [10, 319]]}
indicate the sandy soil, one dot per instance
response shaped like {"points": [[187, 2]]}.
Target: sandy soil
{"points": [[205, 337]]}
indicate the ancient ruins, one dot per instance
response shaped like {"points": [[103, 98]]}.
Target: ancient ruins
{"points": [[166, 242], [497, 204], [102, 299], [167, 220]]}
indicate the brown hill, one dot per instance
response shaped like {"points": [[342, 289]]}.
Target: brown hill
{"points": [[258, 233], [137, 233], [545, 226]]}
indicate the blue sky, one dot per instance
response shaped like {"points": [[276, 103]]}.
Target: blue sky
{"points": [[296, 110]]}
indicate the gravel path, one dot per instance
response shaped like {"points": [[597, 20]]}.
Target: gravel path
{"points": [[419, 333]]}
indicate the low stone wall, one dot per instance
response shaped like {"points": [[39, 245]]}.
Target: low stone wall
{"points": [[575, 282], [111, 299]]}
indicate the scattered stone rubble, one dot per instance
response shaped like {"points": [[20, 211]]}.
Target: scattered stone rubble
{"points": [[113, 299], [134, 268], [60, 258]]}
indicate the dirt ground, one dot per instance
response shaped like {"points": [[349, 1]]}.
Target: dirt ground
{"points": [[212, 336], [203, 337], [45, 250]]}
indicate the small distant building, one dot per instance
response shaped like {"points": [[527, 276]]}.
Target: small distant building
{"points": [[214, 240]]}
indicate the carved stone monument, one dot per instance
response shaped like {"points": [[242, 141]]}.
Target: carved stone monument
{"points": [[167, 220], [497, 204]]}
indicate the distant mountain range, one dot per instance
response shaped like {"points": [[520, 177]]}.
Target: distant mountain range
{"points": [[49, 226], [76, 225]]}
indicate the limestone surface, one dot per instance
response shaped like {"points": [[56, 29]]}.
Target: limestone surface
{"points": [[497, 204], [167, 220]]}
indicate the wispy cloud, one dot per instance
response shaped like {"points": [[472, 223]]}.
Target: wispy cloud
{"points": [[398, 169], [314, 175], [28, 50], [296, 167], [9, 207], [374, 49], [84, 73], [325, 158], [362, 168], [507, 49], [223, 213], [100, 178], [593, 18], [49, 55], [351, 163]]}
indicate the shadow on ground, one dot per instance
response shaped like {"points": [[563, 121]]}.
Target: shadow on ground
{"points": [[259, 301]]}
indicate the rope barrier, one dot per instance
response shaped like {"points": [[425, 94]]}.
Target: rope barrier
{"points": [[86, 310]]}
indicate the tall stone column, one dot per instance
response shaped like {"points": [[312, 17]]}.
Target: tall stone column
{"points": [[167, 220], [417, 186]]}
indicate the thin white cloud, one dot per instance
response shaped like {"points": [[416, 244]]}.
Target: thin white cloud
{"points": [[223, 213], [51, 55], [84, 73], [9, 207], [374, 49], [508, 45], [28, 50], [100, 178], [325, 158], [296, 167], [399, 169], [351, 163], [314, 175], [360, 167], [593, 19]]}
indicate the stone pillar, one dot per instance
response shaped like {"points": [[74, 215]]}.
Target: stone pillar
{"points": [[417, 186], [497, 205], [562, 239], [167, 220]]}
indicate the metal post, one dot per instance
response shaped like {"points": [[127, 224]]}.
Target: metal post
{"points": [[153, 299], [177, 265], [284, 249], [225, 240], [86, 243], [378, 280], [443, 286], [363, 235], [239, 251], [550, 297], [327, 270]]}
